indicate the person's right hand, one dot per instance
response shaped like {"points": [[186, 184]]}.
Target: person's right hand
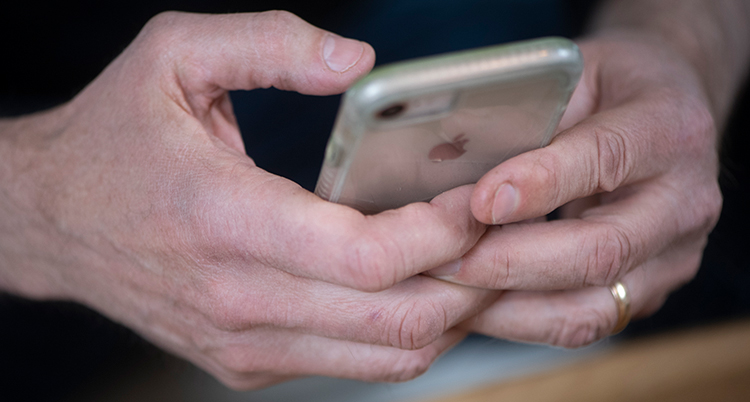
{"points": [[137, 199]]}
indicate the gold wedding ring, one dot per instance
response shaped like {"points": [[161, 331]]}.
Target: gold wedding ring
{"points": [[622, 299]]}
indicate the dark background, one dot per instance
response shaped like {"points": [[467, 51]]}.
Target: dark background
{"points": [[51, 51]]}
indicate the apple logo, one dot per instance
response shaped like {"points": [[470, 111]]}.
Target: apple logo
{"points": [[448, 150]]}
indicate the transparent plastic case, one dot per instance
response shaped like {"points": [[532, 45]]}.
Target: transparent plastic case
{"points": [[411, 130]]}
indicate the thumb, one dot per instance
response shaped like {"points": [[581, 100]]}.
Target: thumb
{"points": [[213, 53]]}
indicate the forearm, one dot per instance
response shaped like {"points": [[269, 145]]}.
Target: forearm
{"points": [[15, 276], [713, 35], [24, 145]]}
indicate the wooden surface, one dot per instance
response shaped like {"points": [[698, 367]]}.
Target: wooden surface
{"points": [[705, 364]]}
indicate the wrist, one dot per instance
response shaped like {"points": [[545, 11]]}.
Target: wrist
{"points": [[27, 247]]}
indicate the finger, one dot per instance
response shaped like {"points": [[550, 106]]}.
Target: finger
{"points": [[583, 102], [288, 227], [596, 250], [410, 315], [271, 220], [240, 359], [256, 50], [568, 318], [195, 58], [573, 318], [620, 146]]}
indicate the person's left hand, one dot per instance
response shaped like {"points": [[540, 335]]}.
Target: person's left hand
{"points": [[635, 170]]}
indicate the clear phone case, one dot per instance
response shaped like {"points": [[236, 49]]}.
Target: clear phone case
{"points": [[411, 130]]}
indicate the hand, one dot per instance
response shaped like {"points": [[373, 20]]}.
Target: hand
{"points": [[137, 199], [635, 172]]}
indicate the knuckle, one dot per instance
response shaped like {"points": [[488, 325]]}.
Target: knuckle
{"points": [[715, 199], [163, 42], [236, 363], [160, 31], [580, 329], [708, 209], [245, 367], [246, 384], [223, 305], [606, 254], [713, 205], [277, 22], [236, 384], [502, 267], [689, 269], [361, 267], [224, 315], [546, 168], [399, 367], [164, 18], [696, 127], [612, 159], [690, 132], [415, 324], [701, 120], [409, 367], [371, 264], [207, 226]]}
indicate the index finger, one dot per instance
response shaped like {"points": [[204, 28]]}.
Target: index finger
{"points": [[289, 228], [599, 248], [623, 145]]}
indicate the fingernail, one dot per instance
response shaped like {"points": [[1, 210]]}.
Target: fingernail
{"points": [[446, 270], [340, 53], [506, 199]]}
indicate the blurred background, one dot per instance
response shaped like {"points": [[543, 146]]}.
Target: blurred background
{"points": [[62, 351]]}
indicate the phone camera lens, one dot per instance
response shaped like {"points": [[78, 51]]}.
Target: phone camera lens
{"points": [[392, 111]]}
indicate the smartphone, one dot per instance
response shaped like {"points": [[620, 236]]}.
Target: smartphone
{"points": [[414, 129]]}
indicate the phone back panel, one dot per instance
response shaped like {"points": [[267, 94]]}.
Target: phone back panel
{"points": [[411, 130]]}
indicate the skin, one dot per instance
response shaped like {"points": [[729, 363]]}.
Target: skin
{"points": [[136, 198], [634, 171]]}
